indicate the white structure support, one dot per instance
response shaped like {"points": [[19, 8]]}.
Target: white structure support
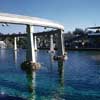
{"points": [[35, 43], [60, 44], [30, 22], [27, 20], [30, 44], [15, 43], [51, 43]]}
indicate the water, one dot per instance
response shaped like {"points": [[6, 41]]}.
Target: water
{"points": [[80, 80]]}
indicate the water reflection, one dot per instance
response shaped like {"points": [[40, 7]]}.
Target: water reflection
{"points": [[15, 56], [31, 85], [51, 57], [60, 86], [61, 72], [3, 53], [82, 82], [31, 80], [51, 61]]}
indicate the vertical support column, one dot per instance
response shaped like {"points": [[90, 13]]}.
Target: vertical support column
{"points": [[60, 51], [30, 44], [15, 43], [30, 64], [35, 43], [51, 43], [60, 45]]}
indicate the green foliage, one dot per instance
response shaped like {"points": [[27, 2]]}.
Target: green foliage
{"points": [[78, 31]]}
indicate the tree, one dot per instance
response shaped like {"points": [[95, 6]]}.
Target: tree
{"points": [[78, 31]]}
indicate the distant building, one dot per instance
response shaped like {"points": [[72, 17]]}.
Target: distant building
{"points": [[2, 44]]}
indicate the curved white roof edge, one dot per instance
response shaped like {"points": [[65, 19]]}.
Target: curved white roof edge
{"points": [[26, 20]]}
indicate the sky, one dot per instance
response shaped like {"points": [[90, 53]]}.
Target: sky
{"points": [[70, 13]]}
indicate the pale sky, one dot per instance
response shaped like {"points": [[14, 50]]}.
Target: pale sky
{"points": [[70, 13]]}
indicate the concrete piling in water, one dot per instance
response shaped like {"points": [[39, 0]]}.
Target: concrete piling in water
{"points": [[15, 49], [51, 44], [30, 44], [35, 43], [30, 64], [60, 57], [60, 47], [15, 43]]}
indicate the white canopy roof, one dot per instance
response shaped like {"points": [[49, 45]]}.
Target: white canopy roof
{"points": [[26, 20]]}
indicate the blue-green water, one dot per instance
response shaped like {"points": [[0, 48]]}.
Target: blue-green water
{"points": [[81, 79]]}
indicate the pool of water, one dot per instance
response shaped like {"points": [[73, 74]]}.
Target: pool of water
{"points": [[80, 80]]}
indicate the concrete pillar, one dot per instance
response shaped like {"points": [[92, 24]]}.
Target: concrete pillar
{"points": [[60, 52], [51, 43], [35, 43], [30, 45], [15, 43], [60, 44]]}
